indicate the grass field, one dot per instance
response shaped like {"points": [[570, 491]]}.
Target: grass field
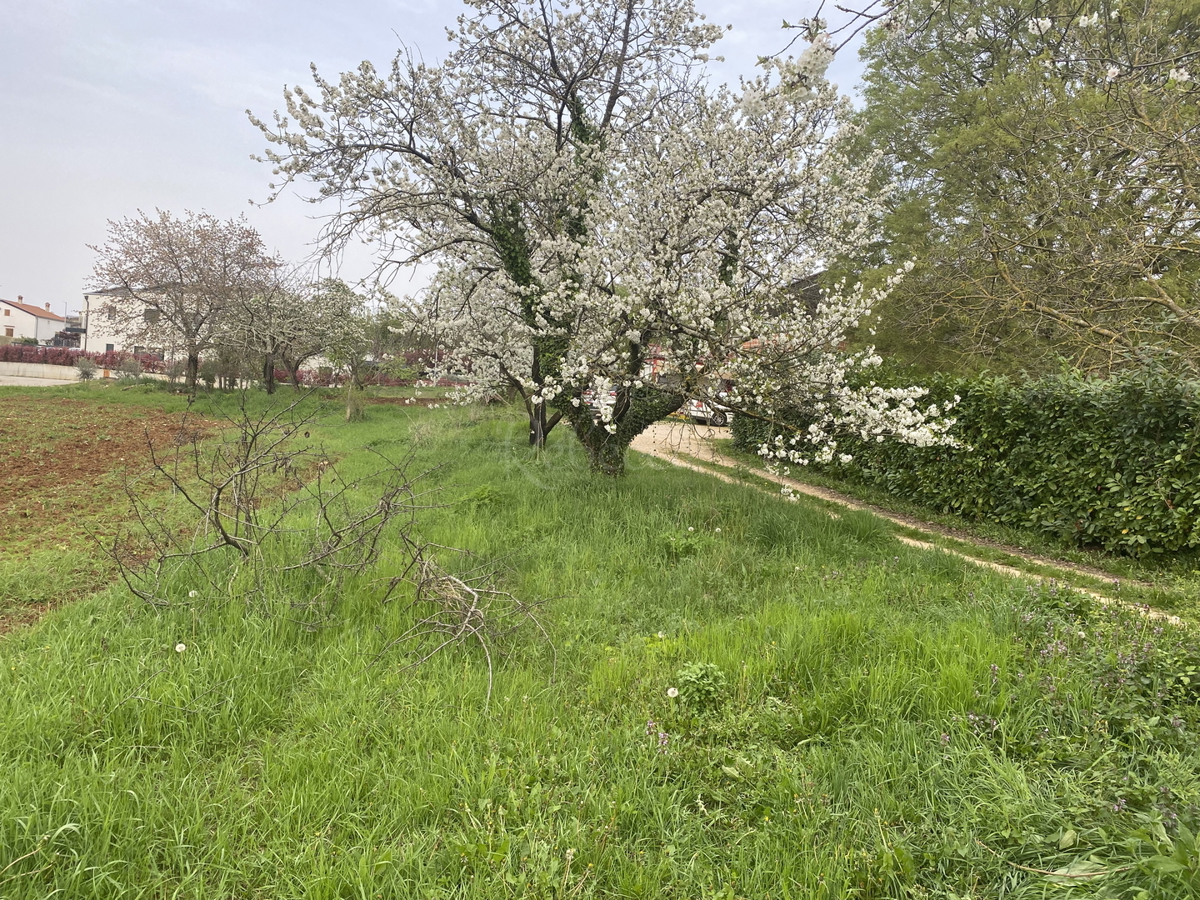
{"points": [[1166, 580], [739, 698]]}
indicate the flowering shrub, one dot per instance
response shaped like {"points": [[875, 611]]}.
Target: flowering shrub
{"points": [[1108, 462], [63, 356]]}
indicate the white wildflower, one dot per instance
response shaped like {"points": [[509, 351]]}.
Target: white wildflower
{"points": [[179, 648], [672, 692]]}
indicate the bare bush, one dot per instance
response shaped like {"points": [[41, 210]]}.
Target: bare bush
{"points": [[86, 368], [247, 506], [261, 491]]}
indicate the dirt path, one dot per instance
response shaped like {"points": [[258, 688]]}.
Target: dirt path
{"points": [[680, 443]]}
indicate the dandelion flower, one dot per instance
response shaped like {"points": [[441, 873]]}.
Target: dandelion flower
{"points": [[718, 531], [690, 529], [179, 648], [193, 593], [672, 692]]}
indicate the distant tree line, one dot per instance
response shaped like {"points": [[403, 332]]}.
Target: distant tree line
{"points": [[227, 311]]}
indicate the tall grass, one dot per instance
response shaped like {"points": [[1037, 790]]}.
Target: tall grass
{"points": [[892, 723]]}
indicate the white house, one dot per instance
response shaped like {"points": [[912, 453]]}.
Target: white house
{"points": [[100, 329], [19, 319]]}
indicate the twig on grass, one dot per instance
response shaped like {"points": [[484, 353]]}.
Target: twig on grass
{"points": [[461, 609], [1100, 873]]}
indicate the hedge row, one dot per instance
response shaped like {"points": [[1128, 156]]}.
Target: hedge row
{"points": [[1110, 463], [63, 356]]}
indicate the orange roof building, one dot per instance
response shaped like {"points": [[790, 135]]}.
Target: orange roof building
{"points": [[19, 319]]}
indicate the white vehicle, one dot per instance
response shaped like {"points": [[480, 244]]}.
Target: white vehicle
{"points": [[708, 413]]}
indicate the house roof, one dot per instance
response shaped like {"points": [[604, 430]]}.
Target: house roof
{"points": [[33, 310]]}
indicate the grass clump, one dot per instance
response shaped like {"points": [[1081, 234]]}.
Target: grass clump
{"points": [[750, 699]]}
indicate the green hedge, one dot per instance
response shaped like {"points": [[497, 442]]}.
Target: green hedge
{"points": [[1112, 463]]}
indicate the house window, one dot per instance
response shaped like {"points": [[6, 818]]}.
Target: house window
{"points": [[8, 312], [109, 348], [8, 332]]}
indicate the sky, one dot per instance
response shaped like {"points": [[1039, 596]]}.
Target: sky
{"points": [[108, 107]]}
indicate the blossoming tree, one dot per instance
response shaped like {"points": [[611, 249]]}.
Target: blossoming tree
{"points": [[176, 281], [611, 234]]}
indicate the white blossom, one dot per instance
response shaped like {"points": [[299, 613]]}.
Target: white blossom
{"points": [[660, 260]]}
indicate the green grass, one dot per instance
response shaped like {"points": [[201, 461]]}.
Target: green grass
{"points": [[891, 724], [1169, 581]]}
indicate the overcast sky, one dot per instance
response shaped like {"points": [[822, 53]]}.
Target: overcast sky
{"points": [[111, 106]]}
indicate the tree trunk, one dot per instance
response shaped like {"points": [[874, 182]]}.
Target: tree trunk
{"points": [[539, 426], [193, 372], [634, 413], [354, 399], [269, 373], [606, 452]]}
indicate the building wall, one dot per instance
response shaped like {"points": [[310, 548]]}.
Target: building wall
{"points": [[40, 370], [45, 329], [26, 325], [23, 324], [102, 333]]}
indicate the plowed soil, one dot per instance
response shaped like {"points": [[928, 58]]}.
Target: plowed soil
{"points": [[63, 469], [63, 463]]}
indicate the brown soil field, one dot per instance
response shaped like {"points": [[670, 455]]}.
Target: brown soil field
{"points": [[64, 463]]}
